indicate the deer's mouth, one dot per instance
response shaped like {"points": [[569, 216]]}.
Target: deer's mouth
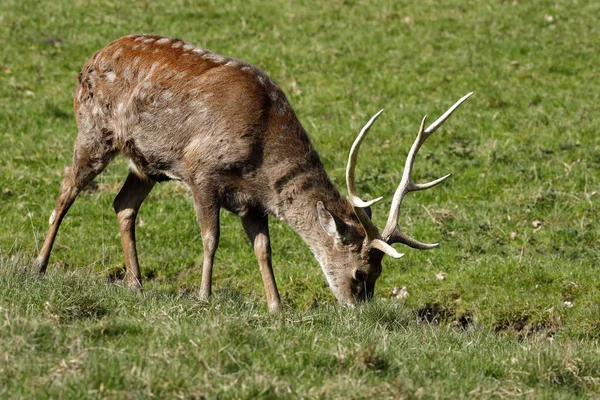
{"points": [[363, 291]]}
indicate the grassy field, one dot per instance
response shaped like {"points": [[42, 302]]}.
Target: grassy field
{"points": [[517, 311]]}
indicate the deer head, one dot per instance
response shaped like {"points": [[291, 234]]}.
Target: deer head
{"points": [[353, 264]]}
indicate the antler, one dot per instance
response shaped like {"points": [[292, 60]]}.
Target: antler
{"points": [[392, 232], [373, 236]]}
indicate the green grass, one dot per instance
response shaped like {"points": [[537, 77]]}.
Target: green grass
{"points": [[517, 312], [76, 336]]}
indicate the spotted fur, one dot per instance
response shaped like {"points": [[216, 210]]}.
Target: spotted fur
{"points": [[224, 128]]}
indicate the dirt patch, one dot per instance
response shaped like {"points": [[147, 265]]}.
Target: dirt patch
{"points": [[436, 313], [116, 274], [523, 326]]}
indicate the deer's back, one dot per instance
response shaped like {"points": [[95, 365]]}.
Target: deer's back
{"points": [[183, 112]]}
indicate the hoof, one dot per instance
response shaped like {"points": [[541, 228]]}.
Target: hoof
{"points": [[204, 295], [275, 307], [40, 265], [135, 286]]}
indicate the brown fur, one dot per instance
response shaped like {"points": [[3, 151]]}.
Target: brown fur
{"points": [[224, 128]]}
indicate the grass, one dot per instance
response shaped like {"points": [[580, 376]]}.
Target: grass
{"points": [[76, 336], [517, 311]]}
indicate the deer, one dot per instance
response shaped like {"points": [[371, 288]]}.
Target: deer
{"points": [[227, 131]]}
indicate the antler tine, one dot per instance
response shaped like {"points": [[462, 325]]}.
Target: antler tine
{"points": [[438, 122], [352, 192], [372, 232], [392, 232], [357, 203]]}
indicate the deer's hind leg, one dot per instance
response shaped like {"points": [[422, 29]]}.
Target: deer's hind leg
{"points": [[92, 153], [126, 205]]}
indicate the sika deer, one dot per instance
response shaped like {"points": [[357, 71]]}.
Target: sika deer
{"points": [[224, 128]]}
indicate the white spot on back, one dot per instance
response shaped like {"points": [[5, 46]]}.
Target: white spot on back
{"points": [[101, 64], [137, 39], [163, 41], [149, 40], [216, 58], [153, 67], [117, 53], [188, 47], [111, 76], [140, 95], [177, 45]]}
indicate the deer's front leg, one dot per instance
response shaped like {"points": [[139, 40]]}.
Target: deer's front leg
{"points": [[256, 225], [207, 211]]}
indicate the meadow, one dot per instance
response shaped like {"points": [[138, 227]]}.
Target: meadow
{"points": [[507, 306]]}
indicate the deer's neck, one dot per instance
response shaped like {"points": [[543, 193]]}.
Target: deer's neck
{"points": [[298, 181], [297, 205]]}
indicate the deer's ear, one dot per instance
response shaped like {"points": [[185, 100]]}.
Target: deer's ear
{"points": [[330, 224], [326, 220]]}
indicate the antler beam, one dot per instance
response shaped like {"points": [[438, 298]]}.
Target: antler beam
{"points": [[391, 232], [373, 237]]}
